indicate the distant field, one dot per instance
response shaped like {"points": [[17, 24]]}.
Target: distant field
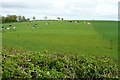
{"points": [[64, 37], [109, 29]]}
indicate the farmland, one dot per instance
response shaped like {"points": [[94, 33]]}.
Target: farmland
{"points": [[60, 50], [64, 37]]}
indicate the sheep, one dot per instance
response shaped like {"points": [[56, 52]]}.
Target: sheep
{"points": [[88, 22], [2, 27], [14, 27], [10, 25], [8, 28], [27, 24], [76, 22], [47, 23], [34, 26]]}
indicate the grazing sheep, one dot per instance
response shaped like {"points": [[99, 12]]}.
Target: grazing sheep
{"points": [[14, 27], [88, 22], [76, 22], [2, 27], [10, 25], [27, 24], [34, 26], [8, 28], [47, 23]]}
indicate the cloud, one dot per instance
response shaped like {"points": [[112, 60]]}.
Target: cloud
{"points": [[14, 5], [93, 9]]}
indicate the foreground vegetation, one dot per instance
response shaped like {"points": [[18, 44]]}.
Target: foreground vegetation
{"points": [[18, 63]]}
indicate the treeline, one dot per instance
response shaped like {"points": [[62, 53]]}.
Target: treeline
{"points": [[13, 18]]}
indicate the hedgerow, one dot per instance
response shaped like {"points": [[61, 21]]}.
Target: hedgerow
{"points": [[31, 64]]}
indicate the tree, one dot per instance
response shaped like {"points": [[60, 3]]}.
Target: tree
{"points": [[61, 18], [33, 17], [28, 19], [19, 18], [58, 18], [45, 17], [23, 18], [0, 19], [3, 19], [10, 18], [14, 18]]}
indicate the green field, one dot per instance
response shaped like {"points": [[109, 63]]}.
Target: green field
{"points": [[98, 38]]}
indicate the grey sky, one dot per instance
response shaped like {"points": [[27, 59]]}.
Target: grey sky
{"points": [[68, 9]]}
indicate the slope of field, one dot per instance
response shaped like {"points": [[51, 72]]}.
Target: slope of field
{"points": [[59, 36], [109, 29]]}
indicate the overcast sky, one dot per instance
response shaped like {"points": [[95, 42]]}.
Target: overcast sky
{"points": [[68, 9]]}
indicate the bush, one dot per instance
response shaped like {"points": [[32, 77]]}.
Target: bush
{"points": [[31, 64]]}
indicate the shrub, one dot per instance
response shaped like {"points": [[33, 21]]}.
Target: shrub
{"points": [[31, 64]]}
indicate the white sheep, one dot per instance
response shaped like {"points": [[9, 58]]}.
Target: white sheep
{"points": [[46, 23], [88, 22], [8, 28], [76, 22], [13, 27]]}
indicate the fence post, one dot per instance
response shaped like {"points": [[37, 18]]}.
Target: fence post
{"points": [[111, 44]]}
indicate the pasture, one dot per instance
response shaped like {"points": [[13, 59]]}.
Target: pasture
{"points": [[98, 38]]}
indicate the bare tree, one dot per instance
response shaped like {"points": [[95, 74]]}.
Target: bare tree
{"points": [[62, 18], [45, 17], [28, 19], [58, 18], [33, 17]]}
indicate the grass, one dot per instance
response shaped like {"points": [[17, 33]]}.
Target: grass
{"points": [[108, 29], [62, 37], [63, 45]]}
